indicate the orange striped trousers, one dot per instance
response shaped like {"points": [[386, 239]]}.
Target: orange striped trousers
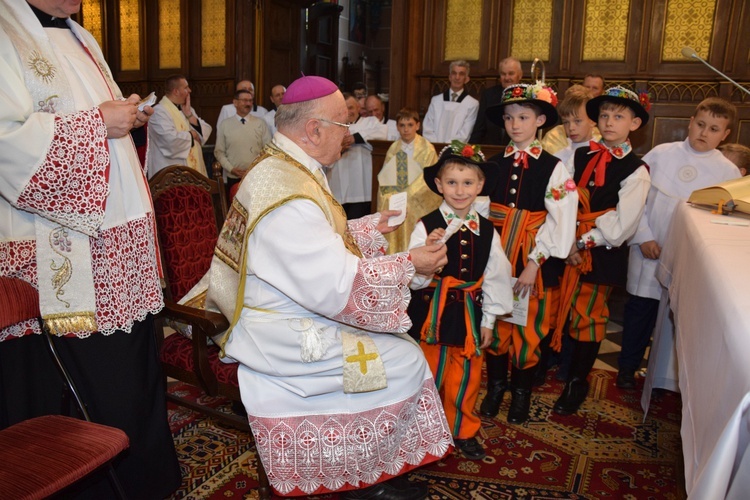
{"points": [[457, 378], [590, 312]]}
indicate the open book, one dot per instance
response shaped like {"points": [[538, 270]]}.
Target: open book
{"points": [[734, 195]]}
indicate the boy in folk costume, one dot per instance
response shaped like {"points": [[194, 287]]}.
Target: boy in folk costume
{"points": [[533, 207], [454, 311], [612, 184], [402, 172]]}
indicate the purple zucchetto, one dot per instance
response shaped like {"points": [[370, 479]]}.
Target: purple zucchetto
{"points": [[308, 88]]}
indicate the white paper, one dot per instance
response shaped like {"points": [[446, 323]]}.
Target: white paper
{"points": [[520, 314], [149, 100], [454, 226], [397, 202]]}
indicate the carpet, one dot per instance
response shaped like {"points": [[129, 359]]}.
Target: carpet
{"points": [[604, 451]]}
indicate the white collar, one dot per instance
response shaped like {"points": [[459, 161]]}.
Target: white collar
{"points": [[471, 220]]}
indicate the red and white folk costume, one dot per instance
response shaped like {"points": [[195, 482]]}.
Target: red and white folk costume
{"points": [[336, 400], [72, 200]]}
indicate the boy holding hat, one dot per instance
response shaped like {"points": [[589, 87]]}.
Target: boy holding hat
{"points": [[454, 310], [612, 185], [534, 208]]}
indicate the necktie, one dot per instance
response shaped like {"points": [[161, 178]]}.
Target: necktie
{"points": [[597, 164], [454, 96], [521, 158], [242, 120]]}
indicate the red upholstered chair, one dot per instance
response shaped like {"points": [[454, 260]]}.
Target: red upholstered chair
{"points": [[190, 211], [44, 455]]}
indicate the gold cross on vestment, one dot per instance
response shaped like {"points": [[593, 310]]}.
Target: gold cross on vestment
{"points": [[362, 358]]}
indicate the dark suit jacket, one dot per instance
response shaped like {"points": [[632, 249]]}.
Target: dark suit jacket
{"points": [[486, 132]]}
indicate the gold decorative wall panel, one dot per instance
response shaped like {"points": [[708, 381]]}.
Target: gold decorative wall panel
{"points": [[689, 23], [169, 34], [532, 29], [92, 19], [463, 30], [605, 31], [130, 35], [213, 33]]}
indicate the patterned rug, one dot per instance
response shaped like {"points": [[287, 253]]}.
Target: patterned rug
{"points": [[605, 451]]}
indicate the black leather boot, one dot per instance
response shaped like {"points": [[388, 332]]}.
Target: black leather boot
{"points": [[497, 384], [520, 403], [577, 388]]}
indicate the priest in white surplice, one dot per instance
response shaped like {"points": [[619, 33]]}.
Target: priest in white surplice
{"points": [[176, 133], [337, 400], [350, 178], [452, 114], [76, 223]]}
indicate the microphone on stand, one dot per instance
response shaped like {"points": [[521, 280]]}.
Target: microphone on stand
{"points": [[689, 53]]}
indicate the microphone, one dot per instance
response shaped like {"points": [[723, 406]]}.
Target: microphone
{"points": [[689, 53]]}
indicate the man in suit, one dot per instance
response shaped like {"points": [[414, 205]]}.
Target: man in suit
{"points": [[486, 132]]}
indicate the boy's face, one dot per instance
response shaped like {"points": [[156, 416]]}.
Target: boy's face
{"points": [[616, 123], [459, 76], [407, 128], [706, 131], [460, 185], [578, 127], [521, 123]]}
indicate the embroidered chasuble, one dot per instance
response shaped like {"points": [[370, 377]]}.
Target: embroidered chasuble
{"points": [[297, 280]]}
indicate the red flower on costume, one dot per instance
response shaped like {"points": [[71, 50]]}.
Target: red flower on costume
{"points": [[570, 185], [517, 91], [555, 194], [536, 151], [553, 101], [508, 149], [473, 225], [467, 151], [617, 152]]}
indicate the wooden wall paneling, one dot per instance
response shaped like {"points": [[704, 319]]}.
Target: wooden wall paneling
{"points": [[737, 58], [610, 69], [687, 69], [281, 39]]}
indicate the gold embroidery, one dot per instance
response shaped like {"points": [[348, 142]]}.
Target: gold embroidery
{"points": [[63, 323], [59, 241], [362, 357], [42, 67]]}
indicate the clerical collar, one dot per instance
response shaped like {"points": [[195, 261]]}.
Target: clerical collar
{"points": [[49, 21]]}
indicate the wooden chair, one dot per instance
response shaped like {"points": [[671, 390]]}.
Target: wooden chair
{"points": [[190, 211], [44, 455]]}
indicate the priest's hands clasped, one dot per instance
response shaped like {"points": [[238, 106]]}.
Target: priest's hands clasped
{"points": [[120, 116]]}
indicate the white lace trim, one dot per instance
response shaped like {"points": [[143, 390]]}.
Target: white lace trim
{"points": [[332, 451], [26, 327], [380, 295], [366, 235], [126, 279], [71, 186]]}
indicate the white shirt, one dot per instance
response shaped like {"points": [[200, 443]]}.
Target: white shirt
{"points": [[676, 171], [228, 110], [448, 120]]}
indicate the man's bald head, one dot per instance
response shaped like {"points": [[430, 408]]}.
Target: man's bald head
{"points": [[375, 106], [245, 85], [511, 71], [316, 126]]}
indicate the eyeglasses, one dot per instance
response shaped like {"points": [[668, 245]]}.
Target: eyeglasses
{"points": [[345, 125]]}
